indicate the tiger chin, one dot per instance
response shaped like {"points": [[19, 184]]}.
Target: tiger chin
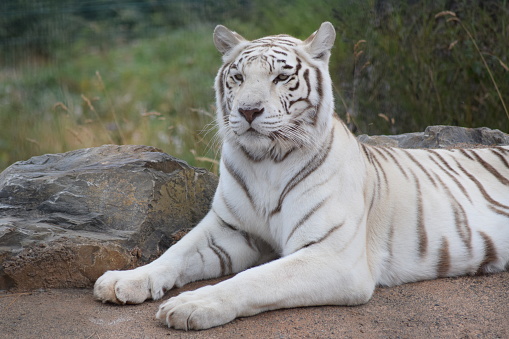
{"points": [[304, 214]]}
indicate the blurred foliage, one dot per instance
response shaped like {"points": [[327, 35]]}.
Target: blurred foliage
{"points": [[82, 73]]}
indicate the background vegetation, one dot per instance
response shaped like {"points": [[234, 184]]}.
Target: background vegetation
{"points": [[81, 73]]}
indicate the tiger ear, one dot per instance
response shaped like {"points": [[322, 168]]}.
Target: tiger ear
{"points": [[225, 40], [320, 42]]}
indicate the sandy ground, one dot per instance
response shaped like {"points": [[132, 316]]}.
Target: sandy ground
{"points": [[466, 307]]}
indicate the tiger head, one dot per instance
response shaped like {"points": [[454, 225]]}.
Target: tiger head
{"points": [[274, 94]]}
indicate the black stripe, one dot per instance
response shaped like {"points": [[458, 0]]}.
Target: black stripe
{"points": [[305, 171], [386, 181], [332, 230], [371, 158], [481, 188], [456, 181], [503, 149], [244, 234], [239, 179], [496, 151], [464, 152], [319, 90], [284, 104], [230, 208], [411, 157], [377, 150], [421, 228], [224, 258], [218, 254], [248, 51], [227, 225], [367, 153], [460, 218], [390, 242], [378, 164], [491, 169], [395, 161], [490, 253], [446, 164], [277, 156], [382, 169], [444, 260], [308, 82], [505, 214], [297, 69], [306, 98], [305, 218], [279, 52], [462, 225]]}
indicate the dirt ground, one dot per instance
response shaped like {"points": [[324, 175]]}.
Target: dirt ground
{"points": [[466, 307]]}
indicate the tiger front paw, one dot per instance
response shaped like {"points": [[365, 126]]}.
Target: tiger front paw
{"points": [[131, 287], [197, 310]]}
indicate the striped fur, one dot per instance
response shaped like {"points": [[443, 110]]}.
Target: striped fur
{"points": [[340, 217]]}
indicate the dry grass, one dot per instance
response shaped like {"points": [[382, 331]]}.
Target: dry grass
{"points": [[454, 18]]}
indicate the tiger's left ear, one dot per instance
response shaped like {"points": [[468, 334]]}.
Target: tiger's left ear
{"points": [[225, 40], [320, 42]]}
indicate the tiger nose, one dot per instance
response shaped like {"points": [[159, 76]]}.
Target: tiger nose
{"points": [[251, 114]]}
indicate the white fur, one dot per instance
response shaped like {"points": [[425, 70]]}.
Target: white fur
{"points": [[351, 223]]}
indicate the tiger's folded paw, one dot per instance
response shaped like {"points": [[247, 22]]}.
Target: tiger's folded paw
{"points": [[197, 310]]}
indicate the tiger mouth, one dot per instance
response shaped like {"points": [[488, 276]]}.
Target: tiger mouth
{"points": [[251, 132]]}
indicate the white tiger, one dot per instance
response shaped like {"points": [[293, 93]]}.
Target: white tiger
{"points": [[338, 216]]}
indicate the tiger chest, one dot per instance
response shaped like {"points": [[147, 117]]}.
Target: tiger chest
{"points": [[287, 206]]}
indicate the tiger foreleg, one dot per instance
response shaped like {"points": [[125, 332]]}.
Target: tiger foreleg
{"points": [[210, 250], [304, 278]]}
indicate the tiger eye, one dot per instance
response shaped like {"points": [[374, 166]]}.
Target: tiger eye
{"points": [[238, 77], [282, 77]]}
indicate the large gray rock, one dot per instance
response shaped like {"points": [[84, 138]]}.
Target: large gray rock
{"points": [[440, 137], [66, 218]]}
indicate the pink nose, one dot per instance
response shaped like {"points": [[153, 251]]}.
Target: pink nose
{"points": [[251, 114]]}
